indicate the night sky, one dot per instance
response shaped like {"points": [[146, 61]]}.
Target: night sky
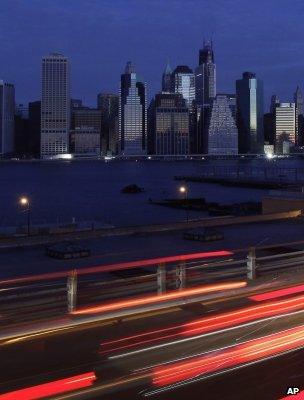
{"points": [[99, 36]]}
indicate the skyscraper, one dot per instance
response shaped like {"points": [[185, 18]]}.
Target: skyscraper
{"points": [[55, 105], [167, 79], [249, 101], [222, 129], [169, 125], [298, 99], [132, 114], [205, 76], [184, 83], [108, 104], [86, 130], [34, 128], [7, 116], [285, 127]]}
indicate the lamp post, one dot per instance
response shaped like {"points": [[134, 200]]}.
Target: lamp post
{"points": [[184, 190], [24, 202]]}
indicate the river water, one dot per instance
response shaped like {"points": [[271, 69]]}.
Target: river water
{"points": [[91, 190]]}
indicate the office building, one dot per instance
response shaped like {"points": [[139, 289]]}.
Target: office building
{"points": [[85, 140], [34, 128], [285, 127], [7, 118], [132, 114], [184, 83], [86, 131], [249, 101], [21, 130], [168, 125], [222, 129], [108, 104], [205, 76], [55, 105], [298, 100], [86, 117]]}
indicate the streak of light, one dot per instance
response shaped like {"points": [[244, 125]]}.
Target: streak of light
{"points": [[255, 349], [176, 294], [191, 338], [206, 324], [51, 388], [119, 266], [277, 293]]}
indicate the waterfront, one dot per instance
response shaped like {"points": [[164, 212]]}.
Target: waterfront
{"points": [[91, 190]]}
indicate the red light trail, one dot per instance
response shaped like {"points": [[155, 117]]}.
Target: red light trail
{"points": [[207, 324], [51, 388], [119, 266], [174, 295], [254, 350], [277, 293]]}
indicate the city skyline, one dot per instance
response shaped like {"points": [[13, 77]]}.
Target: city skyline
{"points": [[97, 48]]}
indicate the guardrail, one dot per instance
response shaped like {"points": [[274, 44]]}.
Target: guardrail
{"points": [[43, 296]]}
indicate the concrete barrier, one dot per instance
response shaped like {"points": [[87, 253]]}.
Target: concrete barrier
{"points": [[137, 229]]}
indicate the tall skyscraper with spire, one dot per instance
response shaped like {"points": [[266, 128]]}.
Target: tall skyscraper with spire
{"points": [[205, 75], [167, 79], [132, 113], [298, 99]]}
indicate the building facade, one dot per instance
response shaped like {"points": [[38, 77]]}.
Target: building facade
{"points": [[86, 131], [205, 76], [7, 118], [184, 83], [285, 127], [169, 125], [55, 105], [85, 140], [222, 129], [249, 101], [108, 104], [132, 114], [34, 128], [299, 103]]}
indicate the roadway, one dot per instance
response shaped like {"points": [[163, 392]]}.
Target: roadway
{"points": [[133, 356]]}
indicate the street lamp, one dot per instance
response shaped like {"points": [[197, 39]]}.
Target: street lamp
{"points": [[184, 190], [24, 202]]}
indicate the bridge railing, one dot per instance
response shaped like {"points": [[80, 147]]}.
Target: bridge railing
{"points": [[36, 297]]}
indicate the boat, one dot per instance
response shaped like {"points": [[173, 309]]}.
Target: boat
{"points": [[132, 189]]}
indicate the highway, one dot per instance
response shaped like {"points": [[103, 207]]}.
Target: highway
{"points": [[227, 347]]}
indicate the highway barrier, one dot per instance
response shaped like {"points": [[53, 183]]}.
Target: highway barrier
{"points": [[43, 296]]}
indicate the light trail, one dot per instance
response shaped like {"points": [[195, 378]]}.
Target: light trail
{"points": [[174, 295], [51, 388], [206, 324], [256, 349], [191, 338], [277, 293], [119, 266]]}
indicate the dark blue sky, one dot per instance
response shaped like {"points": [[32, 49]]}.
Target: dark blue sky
{"points": [[99, 36]]}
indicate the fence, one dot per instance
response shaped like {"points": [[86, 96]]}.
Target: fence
{"points": [[48, 295]]}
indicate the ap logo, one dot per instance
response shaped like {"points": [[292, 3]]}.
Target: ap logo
{"points": [[293, 391]]}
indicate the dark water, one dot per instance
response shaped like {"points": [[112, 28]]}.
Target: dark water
{"points": [[91, 190]]}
